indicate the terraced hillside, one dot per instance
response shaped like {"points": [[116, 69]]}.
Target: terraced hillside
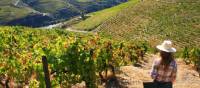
{"points": [[156, 20], [44, 12], [9, 12], [153, 21], [97, 18], [30, 13]]}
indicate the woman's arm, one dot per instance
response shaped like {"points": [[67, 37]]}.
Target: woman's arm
{"points": [[154, 70], [174, 72]]}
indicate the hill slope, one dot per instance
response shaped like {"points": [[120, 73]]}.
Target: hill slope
{"points": [[9, 12], [156, 20], [97, 18], [44, 12], [82, 55], [29, 13]]}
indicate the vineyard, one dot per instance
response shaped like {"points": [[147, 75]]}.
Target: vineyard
{"points": [[97, 18], [72, 57], [125, 35], [155, 21]]}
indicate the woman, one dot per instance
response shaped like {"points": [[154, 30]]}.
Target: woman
{"points": [[164, 69]]}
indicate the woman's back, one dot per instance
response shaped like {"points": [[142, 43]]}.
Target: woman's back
{"points": [[164, 69], [165, 74]]}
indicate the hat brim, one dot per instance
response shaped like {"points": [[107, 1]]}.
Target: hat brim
{"points": [[160, 47]]}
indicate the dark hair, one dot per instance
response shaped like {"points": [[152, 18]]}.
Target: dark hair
{"points": [[166, 59]]}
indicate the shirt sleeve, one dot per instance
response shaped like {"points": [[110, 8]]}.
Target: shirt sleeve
{"points": [[174, 72], [154, 70]]}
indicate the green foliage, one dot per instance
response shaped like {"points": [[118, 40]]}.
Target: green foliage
{"points": [[186, 56], [72, 58], [192, 56], [195, 56], [34, 84]]}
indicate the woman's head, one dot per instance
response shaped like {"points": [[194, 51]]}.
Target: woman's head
{"points": [[166, 58], [166, 52], [166, 46]]}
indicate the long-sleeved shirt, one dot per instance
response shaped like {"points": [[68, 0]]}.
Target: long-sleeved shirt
{"points": [[159, 73]]}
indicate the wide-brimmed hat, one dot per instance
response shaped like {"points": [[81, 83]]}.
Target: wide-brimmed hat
{"points": [[166, 46]]}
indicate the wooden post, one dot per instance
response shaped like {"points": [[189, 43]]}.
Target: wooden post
{"points": [[46, 72]]}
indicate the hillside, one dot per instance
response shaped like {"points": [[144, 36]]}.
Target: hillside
{"points": [[76, 57], [156, 20], [36, 13], [97, 18], [72, 57], [31, 13], [110, 48], [150, 20], [9, 12]]}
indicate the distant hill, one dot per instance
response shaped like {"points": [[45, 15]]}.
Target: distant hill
{"points": [[43, 12], [155, 21], [97, 18]]}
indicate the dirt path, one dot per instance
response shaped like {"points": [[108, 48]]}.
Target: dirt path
{"points": [[78, 31], [133, 77]]}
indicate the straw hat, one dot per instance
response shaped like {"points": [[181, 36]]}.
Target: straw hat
{"points": [[166, 46]]}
